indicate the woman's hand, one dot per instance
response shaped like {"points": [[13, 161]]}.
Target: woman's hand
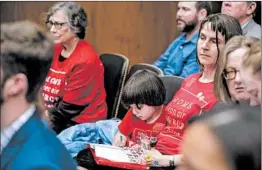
{"points": [[156, 159], [119, 140]]}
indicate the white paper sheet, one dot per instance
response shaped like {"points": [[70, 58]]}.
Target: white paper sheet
{"points": [[112, 153]]}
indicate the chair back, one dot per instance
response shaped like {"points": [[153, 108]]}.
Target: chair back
{"points": [[141, 66], [172, 84], [115, 70]]}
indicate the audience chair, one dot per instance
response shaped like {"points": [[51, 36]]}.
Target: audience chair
{"points": [[172, 84], [141, 66], [132, 70], [115, 66]]}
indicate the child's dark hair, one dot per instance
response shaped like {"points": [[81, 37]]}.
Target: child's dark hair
{"points": [[144, 87]]}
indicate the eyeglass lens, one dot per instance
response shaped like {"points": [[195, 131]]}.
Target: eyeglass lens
{"points": [[57, 25]]}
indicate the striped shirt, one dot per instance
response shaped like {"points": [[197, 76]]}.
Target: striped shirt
{"points": [[8, 132]]}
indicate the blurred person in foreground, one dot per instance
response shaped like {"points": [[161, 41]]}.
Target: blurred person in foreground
{"points": [[224, 140], [26, 141], [251, 72]]}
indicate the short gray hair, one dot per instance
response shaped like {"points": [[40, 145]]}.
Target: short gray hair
{"points": [[76, 15]]}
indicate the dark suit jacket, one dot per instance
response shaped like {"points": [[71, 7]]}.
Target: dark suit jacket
{"points": [[35, 147]]}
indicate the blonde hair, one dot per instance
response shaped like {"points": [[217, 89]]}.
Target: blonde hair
{"points": [[253, 60], [220, 85]]}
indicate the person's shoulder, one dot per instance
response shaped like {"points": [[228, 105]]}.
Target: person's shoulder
{"points": [[189, 80], [44, 137], [195, 38], [44, 150], [181, 36], [163, 114], [164, 111], [256, 28], [256, 25], [57, 46], [41, 161], [130, 116], [192, 76], [85, 52], [178, 39], [84, 46], [52, 147], [253, 30]]}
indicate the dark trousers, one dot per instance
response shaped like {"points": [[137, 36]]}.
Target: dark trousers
{"points": [[59, 127]]}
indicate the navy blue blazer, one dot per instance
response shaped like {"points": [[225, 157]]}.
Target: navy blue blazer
{"points": [[35, 147]]}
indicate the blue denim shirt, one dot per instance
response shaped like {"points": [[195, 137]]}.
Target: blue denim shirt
{"points": [[180, 57]]}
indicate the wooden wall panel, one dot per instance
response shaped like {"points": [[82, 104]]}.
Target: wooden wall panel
{"points": [[33, 11], [139, 30]]}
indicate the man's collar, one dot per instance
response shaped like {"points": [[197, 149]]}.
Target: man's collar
{"points": [[8, 132], [193, 39], [246, 23]]}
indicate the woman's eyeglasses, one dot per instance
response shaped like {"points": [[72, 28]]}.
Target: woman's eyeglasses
{"points": [[230, 73], [58, 25]]}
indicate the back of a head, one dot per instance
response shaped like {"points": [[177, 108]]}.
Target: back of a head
{"points": [[26, 49], [144, 87], [253, 59], [239, 131], [204, 5], [239, 42]]}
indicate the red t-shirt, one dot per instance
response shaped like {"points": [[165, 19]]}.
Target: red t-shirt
{"points": [[134, 127], [77, 80], [192, 98]]}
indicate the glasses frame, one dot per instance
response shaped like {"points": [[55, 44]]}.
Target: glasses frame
{"points": [[225, 72], [57, 25]]}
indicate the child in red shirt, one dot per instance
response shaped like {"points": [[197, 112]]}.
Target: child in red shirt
{"points": [[145, 94]]}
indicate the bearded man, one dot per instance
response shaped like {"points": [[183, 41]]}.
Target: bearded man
{"points": [[180, 57]]}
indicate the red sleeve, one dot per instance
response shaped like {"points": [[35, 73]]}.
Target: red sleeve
{"points": [[125, 127], [81, 84]]}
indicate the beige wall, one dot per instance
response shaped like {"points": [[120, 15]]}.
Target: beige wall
{"points": [[139, 30]]}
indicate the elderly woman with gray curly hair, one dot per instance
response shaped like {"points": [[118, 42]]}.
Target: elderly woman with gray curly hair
{"points": [[74, 88]]}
